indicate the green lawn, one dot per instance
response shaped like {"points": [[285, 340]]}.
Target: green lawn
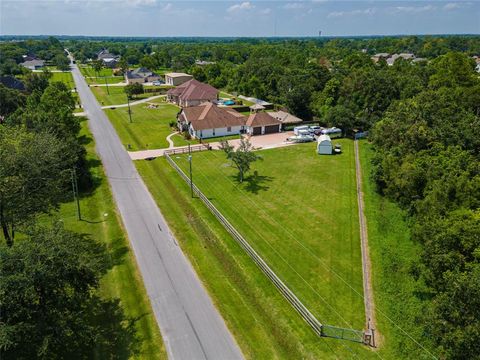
{"points": [[101, 80], [123, 281], [88, 71], [149, 127], [263, 323], [179, 140], [392, 254], [114, 96], [65, 77], [300, 214]]}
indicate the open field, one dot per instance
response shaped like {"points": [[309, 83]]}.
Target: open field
{"points": [[65, 77], [117, 95], [149, 127], [263, 323], [300, 214], [101, 80], [88, 71], [100, 220]]}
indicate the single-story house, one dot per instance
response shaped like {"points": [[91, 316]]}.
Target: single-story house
{"points": [[33, 64], [376, 58], [176, 79], [260, 123], [204, 62], [324, 145], [209, 120], [141, 75], [108, 59], [285, 117], [192, 93]]}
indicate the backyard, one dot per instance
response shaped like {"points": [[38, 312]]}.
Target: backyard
{"points": [[65, 77], [149, 127], [123, 281]]}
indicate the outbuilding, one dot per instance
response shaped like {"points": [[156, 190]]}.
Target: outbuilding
{"points": [[324, 145]]}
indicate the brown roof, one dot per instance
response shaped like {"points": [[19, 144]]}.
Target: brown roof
{"points": [[210, 116], [194, 90], [262, 119]]}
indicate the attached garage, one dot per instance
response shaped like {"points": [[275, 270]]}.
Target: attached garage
{"points": [[257, 130], [260, 123]]}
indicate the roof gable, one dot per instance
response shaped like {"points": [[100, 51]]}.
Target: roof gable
{"points": [[210, 116], [262, 119]]}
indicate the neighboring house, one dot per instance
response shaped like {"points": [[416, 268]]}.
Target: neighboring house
{"points": [[203, 62], [285, 117], [376, 58], [109, 60], [33, 64], [209, 120], [176, 79], [324, 145], [12, 82], [260, 123], [192, 93], [405, 56], [141, 75]]}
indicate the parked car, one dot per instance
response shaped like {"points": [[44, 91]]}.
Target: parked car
{"points": [[156, 83], [301, 128], [315, 129]]}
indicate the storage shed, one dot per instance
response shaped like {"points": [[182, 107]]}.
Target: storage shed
{"points": [[324, 145]]}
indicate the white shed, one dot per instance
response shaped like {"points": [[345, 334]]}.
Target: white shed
{"points": [[324, 145]]}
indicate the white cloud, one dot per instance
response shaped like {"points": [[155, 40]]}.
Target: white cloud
{"points": [[293, 6], [369, 11], [451, 6], [247, 5], [414, 9], [136, 3]]}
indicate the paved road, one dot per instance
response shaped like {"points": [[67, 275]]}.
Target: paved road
{"points": [[190, 325]]}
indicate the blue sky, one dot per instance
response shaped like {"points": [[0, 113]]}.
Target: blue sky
{"points": [[237, 18]]}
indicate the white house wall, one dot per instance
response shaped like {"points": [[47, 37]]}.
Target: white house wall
{"points": [[209, 133]]}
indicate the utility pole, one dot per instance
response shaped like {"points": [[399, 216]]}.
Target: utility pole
{"points": [[106, 84], [190, 163], [75, 192], [129, 110]]}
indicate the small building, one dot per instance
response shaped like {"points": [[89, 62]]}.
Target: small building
{"points": [[176, 79], [35, 64], [260, 123], [256, 108], [192, 93], [324, 145], [204, 62], [209, 120], [377, 57], [141, 75]]}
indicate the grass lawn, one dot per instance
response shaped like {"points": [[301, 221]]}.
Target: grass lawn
{"points": [[88, 71], [101, 80], [392, 254], [300, 214], [123, 281], [179, 140], [65, 77], [263, 323], [149, 128], [117, 95]]}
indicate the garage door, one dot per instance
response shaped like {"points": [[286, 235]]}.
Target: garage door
{"points": [[271, 129], [257, 130]]}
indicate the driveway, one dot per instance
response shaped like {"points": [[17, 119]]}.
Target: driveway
{"points": [[261, 142]]}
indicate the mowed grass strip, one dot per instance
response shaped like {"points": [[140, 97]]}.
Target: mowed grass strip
{"points": [[300, 213], [393, 254], [101, 80], [261, 320], [88, 71], [123, 281], [149, 127]]}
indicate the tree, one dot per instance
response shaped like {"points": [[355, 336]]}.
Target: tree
{"points": [[11, 100], [133, 89], [123, 65], [37, 81], [62, 62], [242, 157], [49, 298], [97, 66], [33, 176]]}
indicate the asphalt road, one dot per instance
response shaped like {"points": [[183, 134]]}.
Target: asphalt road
{"points": [[191, 326]]}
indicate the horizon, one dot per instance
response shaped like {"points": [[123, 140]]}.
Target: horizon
{"points": [[238, 19]]}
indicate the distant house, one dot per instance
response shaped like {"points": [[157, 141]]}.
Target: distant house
{"points": [[176, 79], [377, 57], [12, 82], [324, 145], [192, 93], [260, 123], [208, 120], [285, 117], [109, 60], [203, 62], [35, 64], [405, 56], [141, 75]]}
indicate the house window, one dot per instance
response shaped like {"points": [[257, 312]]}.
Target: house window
{"points": [[229, 129]]}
